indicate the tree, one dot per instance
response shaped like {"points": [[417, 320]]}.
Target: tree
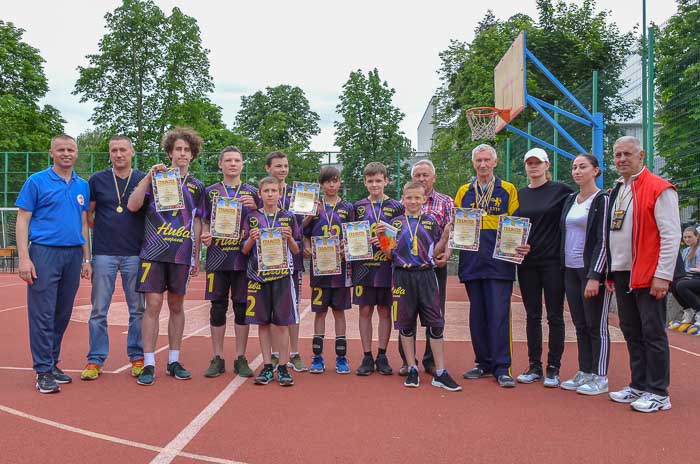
{"points": [[369, 126], [571, 40], [280, 118], [678, 84], [24, 124], [148, 64]]}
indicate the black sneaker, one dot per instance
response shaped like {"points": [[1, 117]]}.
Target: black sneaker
{"points": [[446, 382], [217, 366], [147, 376], [531, 375], [367, 366], [178, 371], [413, 380], [476, 373], [382, 363], [551, 379], [265, 376], [59, 376], [45, 383], [403, 370], [506, 381], [284, 377]]}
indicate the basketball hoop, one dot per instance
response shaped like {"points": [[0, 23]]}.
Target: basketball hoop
{"points": [[482, 121]]}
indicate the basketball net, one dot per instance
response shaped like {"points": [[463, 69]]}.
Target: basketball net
{"points": [[482, 121]]}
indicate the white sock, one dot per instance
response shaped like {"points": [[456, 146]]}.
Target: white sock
{"points": [[276, 354], [149, 359], [173, 356], [293, 353]]}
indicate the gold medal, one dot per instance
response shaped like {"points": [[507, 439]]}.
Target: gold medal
{"points": [[121, 195], [414, 234], [120, 209], [414, 248]]}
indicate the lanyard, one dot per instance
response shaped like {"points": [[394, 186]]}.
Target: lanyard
{"points": [[414, 234], [120, 196], [375, 213], [267, 219], [329, 220], [235, 194], [280, 203], [483, 199]]}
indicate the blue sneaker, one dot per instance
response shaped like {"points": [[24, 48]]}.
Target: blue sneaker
{"points": [[341, 365], [317, 365]]}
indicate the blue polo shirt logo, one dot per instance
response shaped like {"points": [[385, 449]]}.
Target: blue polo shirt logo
{"points": [[81, 199]]}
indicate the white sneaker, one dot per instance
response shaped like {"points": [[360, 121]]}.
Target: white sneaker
{"points": [[697, 317], [596, 386], [626, 395], [581, 378], [650, 402]]}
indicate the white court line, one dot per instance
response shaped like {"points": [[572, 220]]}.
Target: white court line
{"points": [[13, 285], [24, 306], [685, 351], [117, 440], [198, 423]]}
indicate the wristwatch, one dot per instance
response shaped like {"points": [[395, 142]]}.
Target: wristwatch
{"points": [[86, 261]]}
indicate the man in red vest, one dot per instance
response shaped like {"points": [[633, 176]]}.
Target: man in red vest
{"points": [[643, 241]]}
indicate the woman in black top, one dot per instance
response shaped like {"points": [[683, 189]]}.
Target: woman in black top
{"points": [[583, 231], [541, 270]]}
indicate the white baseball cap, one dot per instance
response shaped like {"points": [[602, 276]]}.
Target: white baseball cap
{"points": [[538, 153]]}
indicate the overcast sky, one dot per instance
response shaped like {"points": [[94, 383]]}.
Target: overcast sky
{"points": [[312, 44]]}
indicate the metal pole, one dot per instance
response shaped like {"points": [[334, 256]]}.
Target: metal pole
{"points": [[594, 103], [645, 85], [556, 144], [598, 127], [508, 159], [6, 172], [650, 95], [529, 132]]}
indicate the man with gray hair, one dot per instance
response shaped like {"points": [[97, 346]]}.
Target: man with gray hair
{"points": [[489, 281], [117, 234], [440, 206], [643, 241]]}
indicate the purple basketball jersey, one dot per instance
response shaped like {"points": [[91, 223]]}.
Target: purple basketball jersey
{"points": [[259, 220], [284, 203], [328, 221], [377, 271], [225, 254], [168, 235], [427, 233]]}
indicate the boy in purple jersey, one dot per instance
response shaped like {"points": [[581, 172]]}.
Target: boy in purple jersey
{"points": [[372, 278], [270, 296], [226, 265], [331, 290], [277, 166], [170, 252], [415, 287]]}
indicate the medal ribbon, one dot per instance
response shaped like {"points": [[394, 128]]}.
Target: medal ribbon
{"points": [[329, 220], [414, 234], [116, 186], [482, 200], [267, 219], [235, 194], [375, 213]]}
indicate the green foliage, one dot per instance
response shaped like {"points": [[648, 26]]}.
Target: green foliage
{"points": [[24, 125], [678, 93], [148, 67], [369, 128], [280, 119], [571, 40]]}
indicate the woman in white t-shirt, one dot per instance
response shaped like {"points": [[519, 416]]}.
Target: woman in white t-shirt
{"points": [[583, 252]]}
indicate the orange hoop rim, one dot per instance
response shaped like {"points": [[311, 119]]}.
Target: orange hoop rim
{"points": [[488, 112]]}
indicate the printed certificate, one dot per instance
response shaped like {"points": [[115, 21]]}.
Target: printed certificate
{"points": [[226, 218], [357, 245], [387, 240], [304, 198], [466, 229], [167, 190], [512, 232], [272, 250], [325, 254]]}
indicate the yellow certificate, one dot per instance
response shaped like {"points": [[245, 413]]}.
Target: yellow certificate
{"points": [[304, 198], [512, 232], [226, 218], [167, 190], [272, 253], [357, 245], [511, 237], [466, 229], [326, 255]]}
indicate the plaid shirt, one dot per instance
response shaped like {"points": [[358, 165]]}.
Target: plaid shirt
{"points": [[440, 206]]}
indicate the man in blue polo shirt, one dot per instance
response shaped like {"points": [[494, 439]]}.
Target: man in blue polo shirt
{"points": [[52, 216], [116, 242]]}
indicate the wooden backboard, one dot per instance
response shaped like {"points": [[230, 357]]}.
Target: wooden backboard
{"points": [[509, 81]]}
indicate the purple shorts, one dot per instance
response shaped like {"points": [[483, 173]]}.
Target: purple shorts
{"points": [[335, 298], [220, 282], [297, 276], [416, 294], [372, 296], [157, 277], [271, 303]]}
